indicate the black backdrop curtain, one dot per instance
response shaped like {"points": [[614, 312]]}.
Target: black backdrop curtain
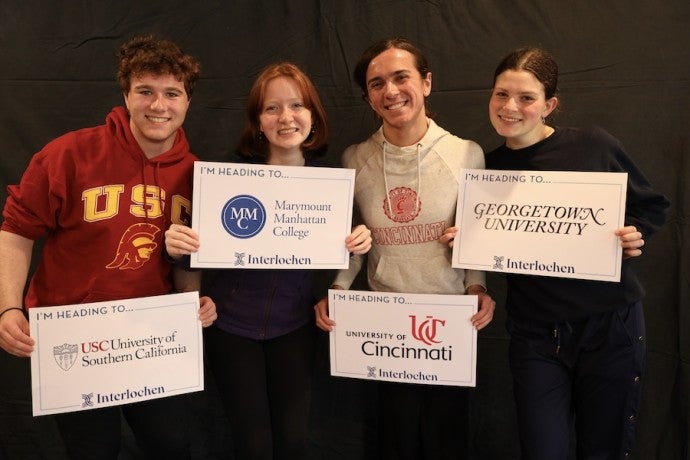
{"points": [[625, 66]]}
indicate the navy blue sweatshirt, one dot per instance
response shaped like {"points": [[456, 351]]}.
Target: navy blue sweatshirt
{"points": [[265, 303], [553, 299]]}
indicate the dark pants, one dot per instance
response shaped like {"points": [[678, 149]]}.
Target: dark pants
{"points": [[585, 372], [159, 426], [423, 422], [265, 389]]}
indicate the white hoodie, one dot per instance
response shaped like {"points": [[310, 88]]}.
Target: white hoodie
{"points": [[421, 181]]}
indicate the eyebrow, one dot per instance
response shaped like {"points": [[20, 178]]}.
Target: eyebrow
{"points": [[151, 87], [281, 100], [394, 74], [500, 88]]}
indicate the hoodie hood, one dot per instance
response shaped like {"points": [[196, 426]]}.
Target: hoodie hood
{"points": [[117, 123], [432, 136]]}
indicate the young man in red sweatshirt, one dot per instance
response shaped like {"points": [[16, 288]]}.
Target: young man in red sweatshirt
{"points": [[102, 198]]}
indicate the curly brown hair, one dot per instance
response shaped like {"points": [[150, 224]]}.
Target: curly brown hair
{"points": [[147, 54]]}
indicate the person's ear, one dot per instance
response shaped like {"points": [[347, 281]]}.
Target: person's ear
{"points": [[550, 106], [427, 84]]}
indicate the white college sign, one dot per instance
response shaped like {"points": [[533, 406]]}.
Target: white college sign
{"points": [[549, 223], [260, 216], [111, 353], [412, 338]]}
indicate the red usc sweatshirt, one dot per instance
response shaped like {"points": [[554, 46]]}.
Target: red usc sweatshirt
{"points": [[103, 208]]}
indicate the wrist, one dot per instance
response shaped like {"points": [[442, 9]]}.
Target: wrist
{"points": [[10, 309], [476, 289], [170, 258]]}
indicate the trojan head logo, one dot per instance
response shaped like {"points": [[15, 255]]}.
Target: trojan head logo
{"points": [[426, 331], [243, 216], [403, 202], [65, 355], [136, 246]]}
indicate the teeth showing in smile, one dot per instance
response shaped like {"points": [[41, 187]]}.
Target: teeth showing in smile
{"points": [[510, 119], [158, 119], [287, 131], [396, 106]]}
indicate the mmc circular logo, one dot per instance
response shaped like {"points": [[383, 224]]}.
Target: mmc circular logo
{"points": [[243, 216]]}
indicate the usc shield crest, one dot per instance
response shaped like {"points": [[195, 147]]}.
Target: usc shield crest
{"points": [[65, 355]]}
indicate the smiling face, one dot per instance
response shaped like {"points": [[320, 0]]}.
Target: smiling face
{"points": [[157, 107], [396, 91], [517, 106], [285, 121]]}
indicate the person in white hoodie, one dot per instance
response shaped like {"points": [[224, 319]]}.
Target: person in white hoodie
{"points": [[406, 192]]}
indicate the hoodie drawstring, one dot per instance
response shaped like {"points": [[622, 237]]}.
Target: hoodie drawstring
{"points": [[156, 182]]}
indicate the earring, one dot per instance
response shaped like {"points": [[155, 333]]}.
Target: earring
{"points": [[543, 120], [313, 130], [261, 136]]}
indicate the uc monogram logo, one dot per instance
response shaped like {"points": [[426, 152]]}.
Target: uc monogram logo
{"points": [[426, 331], [243, 216]]}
